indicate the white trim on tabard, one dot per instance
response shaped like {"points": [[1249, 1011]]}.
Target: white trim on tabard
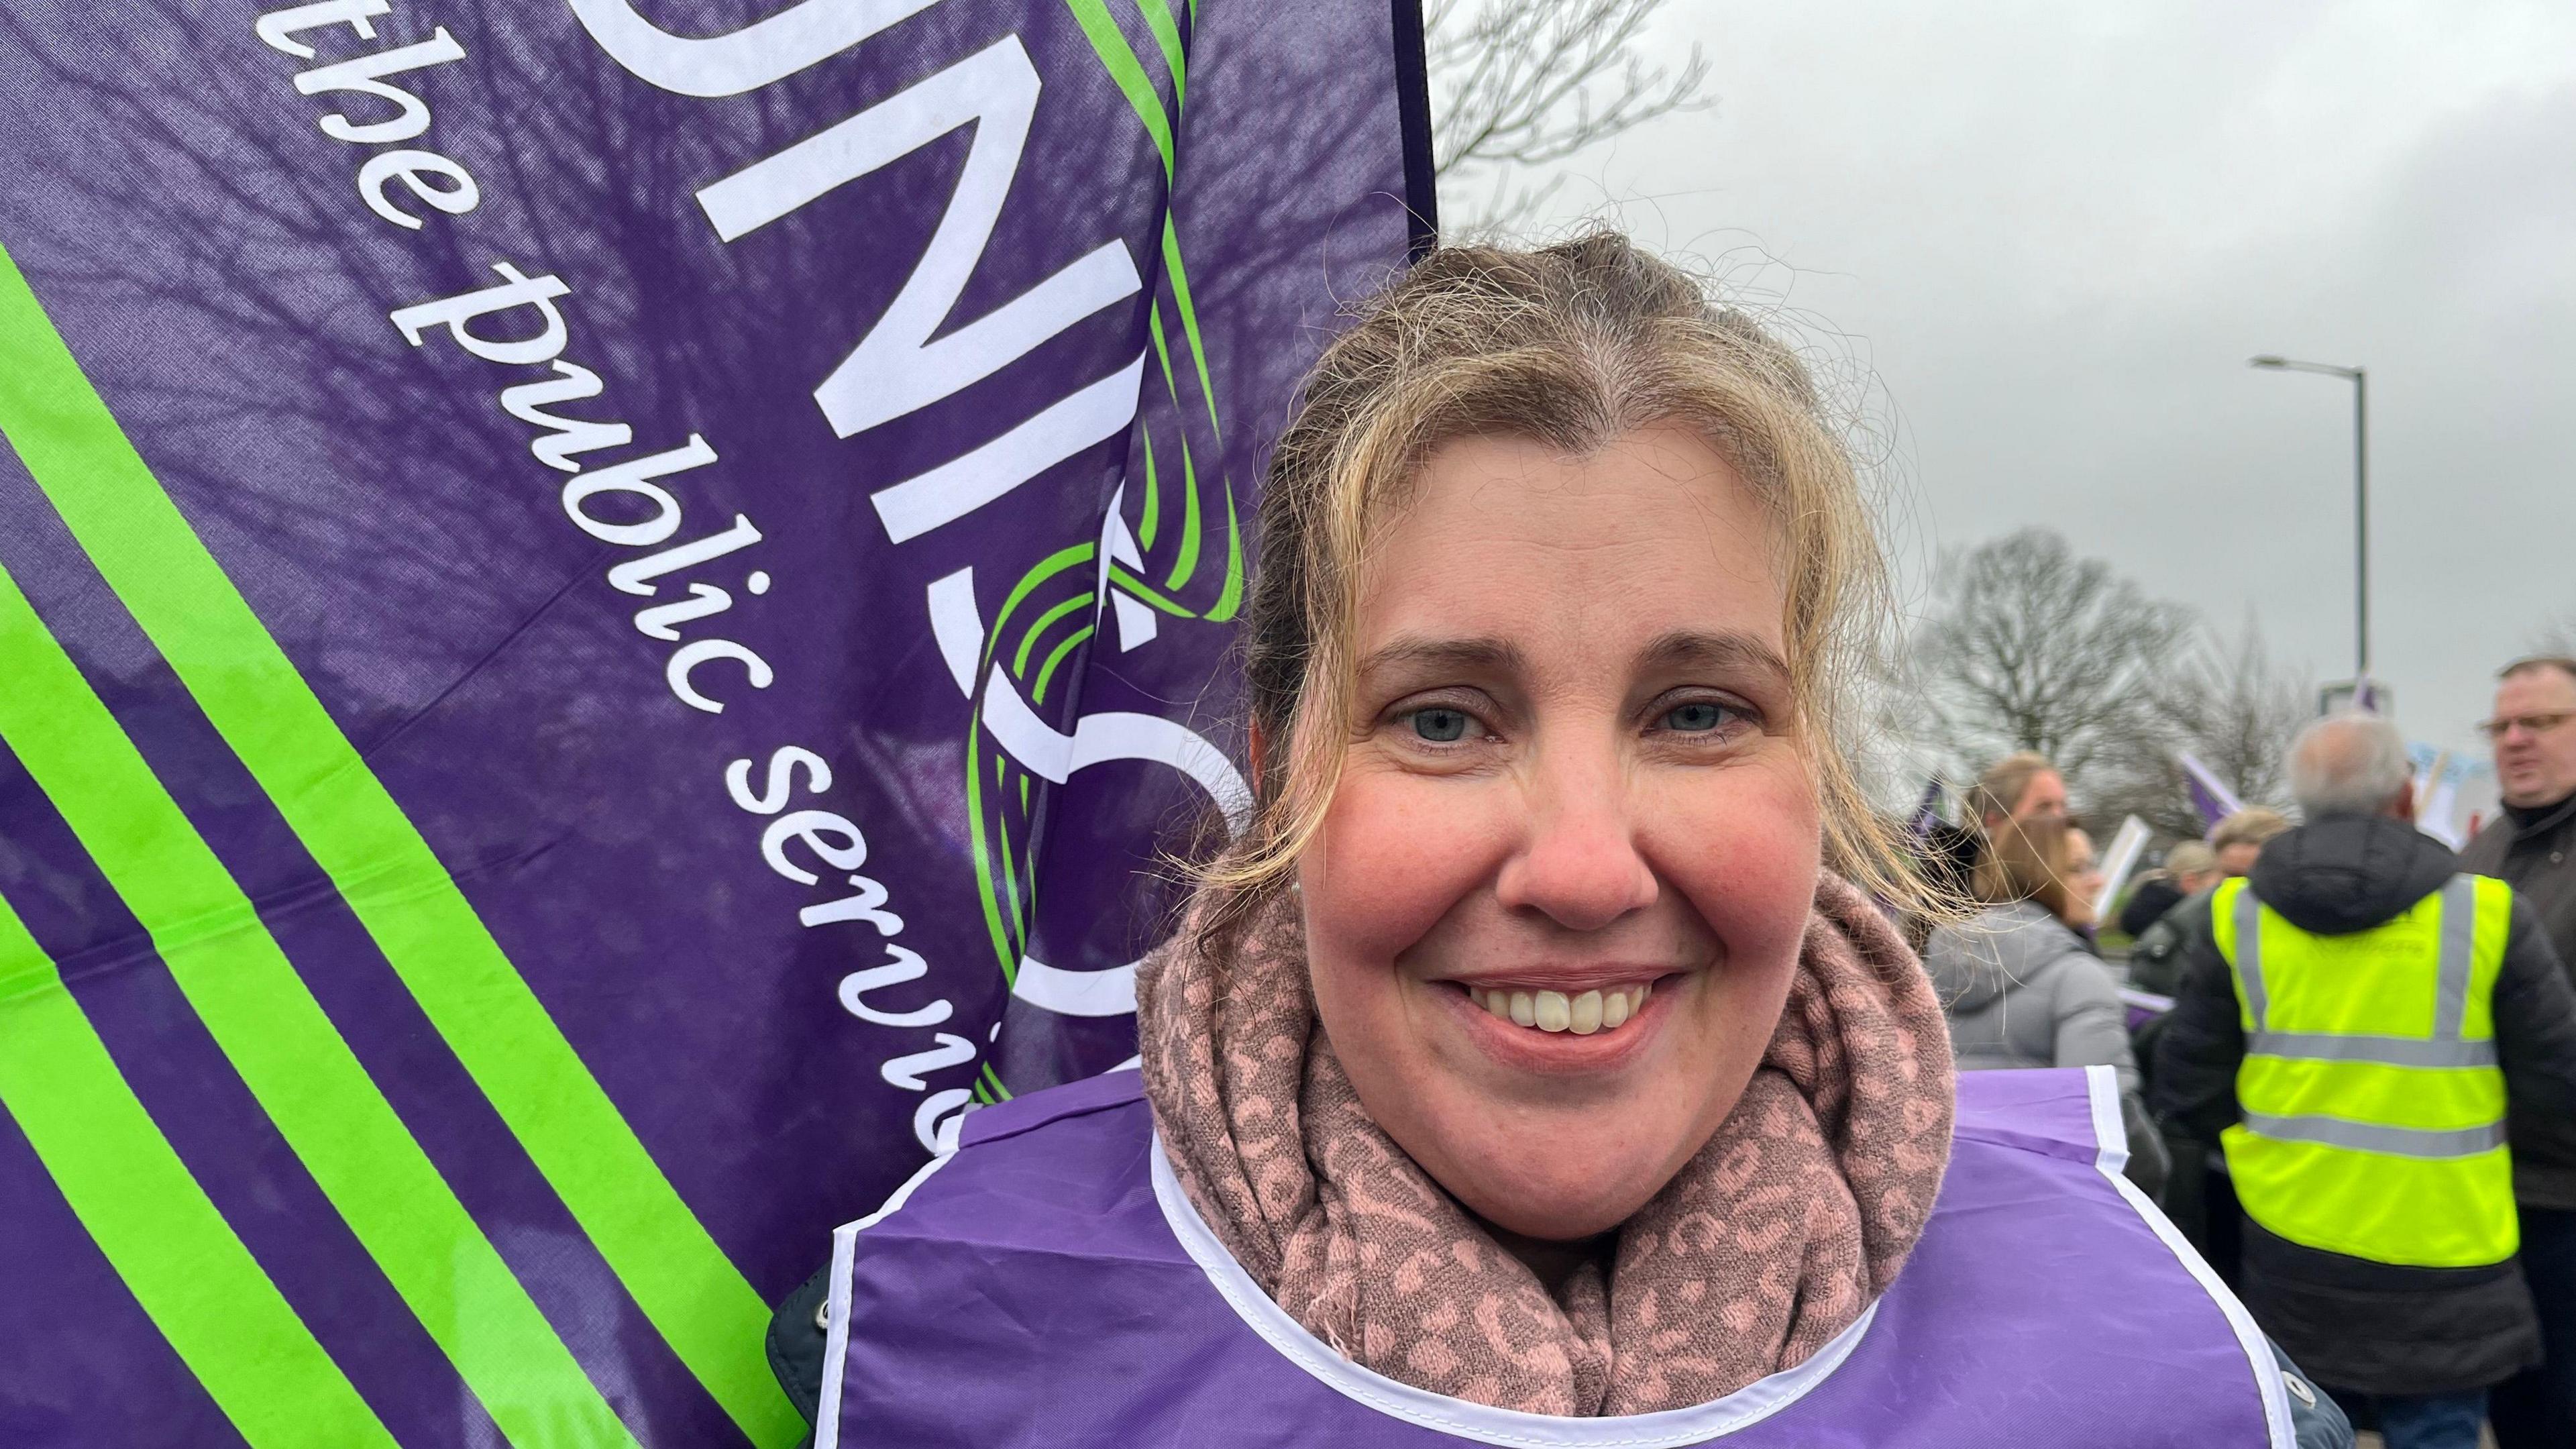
{"points": [[2111, 1153], [836, 1310], [836, 1339], [1669, 1429]]}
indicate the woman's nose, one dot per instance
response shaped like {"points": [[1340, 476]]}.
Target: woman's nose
{"points": [[1578, 863]]}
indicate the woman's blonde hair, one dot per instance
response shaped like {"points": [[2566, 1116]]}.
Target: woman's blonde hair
{"points": [[1573, 346], [2028, 860], [1999, 790]]}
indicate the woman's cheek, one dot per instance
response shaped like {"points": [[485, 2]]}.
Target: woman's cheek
{"points": [[1745, 848], [1396, 853]]}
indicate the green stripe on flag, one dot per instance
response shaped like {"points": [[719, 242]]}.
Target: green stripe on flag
{"points": [[287, 1051], [1153, 518], [159, 1230], [1127, 72], [1119, 59], [1037, 626], [1186, 562], [1179, 276], [1118, 575], [1162, 348], [476, 999], [1047, 670], [986, 891], [1167, 36], [1229, 597]]}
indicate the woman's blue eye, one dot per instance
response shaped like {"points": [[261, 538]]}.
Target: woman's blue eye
{"points": [[1695, 718], [1440, 726]]}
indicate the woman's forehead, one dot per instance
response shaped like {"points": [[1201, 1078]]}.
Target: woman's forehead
{"points": [[1651, 548]]}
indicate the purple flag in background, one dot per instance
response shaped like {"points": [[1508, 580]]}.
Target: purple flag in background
{"points": [[2209, 794], [605, 612]]}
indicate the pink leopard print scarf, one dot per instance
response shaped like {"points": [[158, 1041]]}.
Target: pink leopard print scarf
{"points": [[1773, 1239]]}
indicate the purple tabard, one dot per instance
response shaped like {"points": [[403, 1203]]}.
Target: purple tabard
{"points": [[1049, 1285]]}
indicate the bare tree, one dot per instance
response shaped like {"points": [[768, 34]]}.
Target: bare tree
{"points": [[2240, 709], [1521, 83], [2236, 708], [2030, 647]]}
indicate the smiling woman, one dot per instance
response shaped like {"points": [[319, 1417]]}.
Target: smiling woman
{"points": [[1531, 1071], [1572, 783]]}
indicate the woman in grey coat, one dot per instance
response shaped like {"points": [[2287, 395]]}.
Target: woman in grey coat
{"points": [[2024, 989]]}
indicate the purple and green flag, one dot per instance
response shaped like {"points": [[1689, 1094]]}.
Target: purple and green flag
{"points": [[607, 613]]}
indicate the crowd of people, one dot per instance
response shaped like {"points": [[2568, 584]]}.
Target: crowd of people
{"points": [[2347, 1054]]}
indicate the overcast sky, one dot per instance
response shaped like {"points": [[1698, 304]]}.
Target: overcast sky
{"points": [[2055, 233]]}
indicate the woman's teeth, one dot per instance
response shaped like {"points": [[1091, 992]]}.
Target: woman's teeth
{"points": [[1555, 1011]]}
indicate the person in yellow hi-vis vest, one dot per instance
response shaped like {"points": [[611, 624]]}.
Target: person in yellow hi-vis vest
{"points": [[2352, 1020]]}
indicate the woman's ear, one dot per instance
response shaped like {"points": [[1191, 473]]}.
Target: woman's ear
{"points": [[1257, 747]]}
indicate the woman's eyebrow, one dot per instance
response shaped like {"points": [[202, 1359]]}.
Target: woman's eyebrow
{"points": [[1730, 652], [1478, 656]]}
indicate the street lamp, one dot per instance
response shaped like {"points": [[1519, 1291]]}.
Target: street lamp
{"points": [[2360, 499]]}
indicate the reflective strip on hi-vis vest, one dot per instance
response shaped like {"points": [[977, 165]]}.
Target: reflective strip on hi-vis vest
{"points": [[2374, 1107]]}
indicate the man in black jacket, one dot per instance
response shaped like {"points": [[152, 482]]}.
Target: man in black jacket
{"points": [[2533, 848], [2425, 1341]]}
